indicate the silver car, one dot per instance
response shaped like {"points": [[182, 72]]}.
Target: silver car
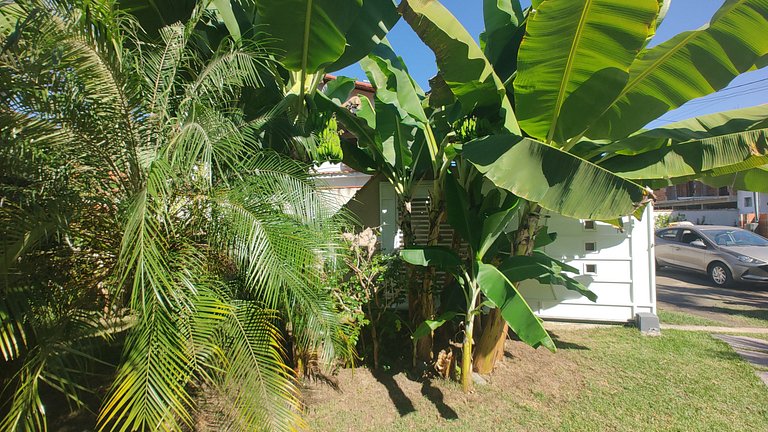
{"points": [[724, 253]]}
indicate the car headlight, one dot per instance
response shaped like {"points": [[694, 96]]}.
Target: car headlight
{"points": [[749, 260]]}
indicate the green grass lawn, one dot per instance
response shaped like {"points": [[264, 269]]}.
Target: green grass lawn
{"points": [[683, 318], [749, 316], [731, 316], [608, 379]]}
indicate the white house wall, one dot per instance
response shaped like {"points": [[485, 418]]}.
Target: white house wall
{"points": [[624, 271], [623, 281]]}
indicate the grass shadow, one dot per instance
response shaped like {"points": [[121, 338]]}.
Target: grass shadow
{"points": [[755, 314], [402, 403], [559, 343], [435, 395]]}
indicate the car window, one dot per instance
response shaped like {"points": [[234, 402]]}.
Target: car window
{"points": [[670, 234], [735, 237], [689, 236]]}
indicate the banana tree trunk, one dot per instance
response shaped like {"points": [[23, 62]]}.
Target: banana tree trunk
{"points": [[490, 347], [415, 301], [466, 350], [424, 346], [466, 359]]}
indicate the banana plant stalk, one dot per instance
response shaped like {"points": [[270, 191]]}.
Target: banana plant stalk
{"points": [[482, 219]]}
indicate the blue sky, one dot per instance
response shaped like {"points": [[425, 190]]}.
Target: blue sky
{"points": [[747, 90]]}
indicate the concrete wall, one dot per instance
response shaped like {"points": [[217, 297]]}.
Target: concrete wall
{"points": [[728, 217]]}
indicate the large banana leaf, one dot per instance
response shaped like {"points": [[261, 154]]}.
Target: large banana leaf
{"points": [[720, 124], [399, 112], [394, 86], [575, 60], [504, 30], [558, 181], [437, 256], [460, 216], [515, 310], [391, 137], [544, 269], [755, 179], [688, 66], [717, 144], [460, 61], [323, 34], [480, 226], [373, 21]]}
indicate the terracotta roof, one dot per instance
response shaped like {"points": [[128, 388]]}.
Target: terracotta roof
{"points": [[359, 85]]}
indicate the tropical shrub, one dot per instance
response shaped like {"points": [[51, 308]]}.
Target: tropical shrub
{"points": [[368, 284], [141, 213]]}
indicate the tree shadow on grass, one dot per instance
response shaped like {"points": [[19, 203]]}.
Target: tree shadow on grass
{"points": [[755, 314], [402, 403], [559, 343], [435, 395]]}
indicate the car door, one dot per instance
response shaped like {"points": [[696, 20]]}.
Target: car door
{"points": [[666, 241], [690, 256]]}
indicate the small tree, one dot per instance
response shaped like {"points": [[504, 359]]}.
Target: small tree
{"points": [[372, 284]]}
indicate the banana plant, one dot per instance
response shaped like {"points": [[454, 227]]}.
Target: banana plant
{"points": [[584, 83], [310, 37], [482, 216], [307, 38], [397, 138]]}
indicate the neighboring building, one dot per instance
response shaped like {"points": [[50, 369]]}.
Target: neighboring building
{"points": [[339, 183], [698, 203], [705, 205], [746, 201], [695, 195]]}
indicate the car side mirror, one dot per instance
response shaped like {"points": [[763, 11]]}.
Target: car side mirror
{"points": [[699, 244]]}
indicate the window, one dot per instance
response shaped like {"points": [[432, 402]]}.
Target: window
{"points": [[748, 202], [590, 268], [670, 234], [590, 246], [589, 225], [689, 237]]}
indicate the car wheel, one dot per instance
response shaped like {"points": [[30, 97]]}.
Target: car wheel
{"points": [[719, 274]]}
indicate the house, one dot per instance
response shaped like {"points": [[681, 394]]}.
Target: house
{"points": [[705, 205], [617, 265], [748, 202]]}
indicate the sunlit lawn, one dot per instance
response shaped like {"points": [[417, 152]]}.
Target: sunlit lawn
{"points": [[607, 379]]}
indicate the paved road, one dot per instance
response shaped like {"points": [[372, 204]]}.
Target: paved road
{"points": [[688, 292]]}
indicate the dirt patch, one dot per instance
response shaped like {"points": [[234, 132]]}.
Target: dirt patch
{"points": [[535, 379]]}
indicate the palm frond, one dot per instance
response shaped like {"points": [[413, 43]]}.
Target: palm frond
{"points": [[256, 386]]}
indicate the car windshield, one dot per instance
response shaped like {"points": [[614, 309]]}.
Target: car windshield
{"points": [[735, 237]]}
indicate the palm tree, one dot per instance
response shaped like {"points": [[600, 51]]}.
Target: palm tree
{"points": [[139, 211]]}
